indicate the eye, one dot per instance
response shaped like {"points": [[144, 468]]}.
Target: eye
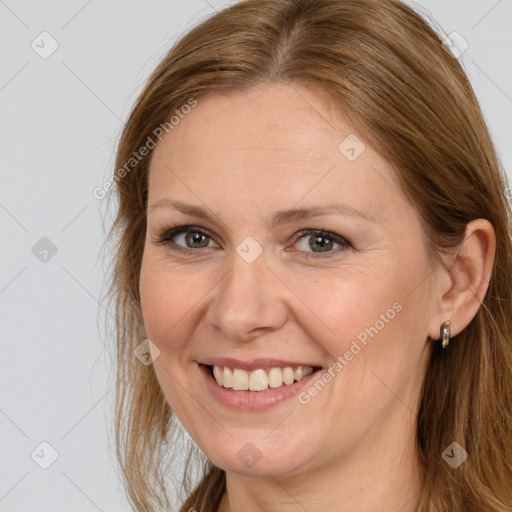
{"points": [[192, 236], [320, 242]]}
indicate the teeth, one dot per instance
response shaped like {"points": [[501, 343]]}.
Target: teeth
{"points": [[259, 380], [275, 377], [217, 373], [227, 377], [240, 380], [288, 375]]}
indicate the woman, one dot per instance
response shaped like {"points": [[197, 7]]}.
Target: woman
{"points": [[314, 252]]}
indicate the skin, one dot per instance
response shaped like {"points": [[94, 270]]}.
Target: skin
{"points": [[244, 156]]}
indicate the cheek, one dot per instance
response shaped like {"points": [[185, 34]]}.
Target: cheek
{"points": [[367, 325], [356, 307], [168, 299], [169, 304]]}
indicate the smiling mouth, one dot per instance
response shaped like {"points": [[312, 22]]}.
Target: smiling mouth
{"points": [[236, 379]]}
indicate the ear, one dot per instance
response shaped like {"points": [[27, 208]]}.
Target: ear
{"points": [[466, 280]]}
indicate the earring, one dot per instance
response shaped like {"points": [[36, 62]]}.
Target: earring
{"points": [[445, 333]]}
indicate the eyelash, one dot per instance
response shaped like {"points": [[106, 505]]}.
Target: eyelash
{"points": [[164, 238]]}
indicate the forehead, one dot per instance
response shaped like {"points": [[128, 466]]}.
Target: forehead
{"points": [[266, 142], [265, 118]]}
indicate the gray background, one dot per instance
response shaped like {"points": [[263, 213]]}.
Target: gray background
{"points": [[60, 119]]}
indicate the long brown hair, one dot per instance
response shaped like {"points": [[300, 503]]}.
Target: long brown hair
{"points": [[387, 69]]}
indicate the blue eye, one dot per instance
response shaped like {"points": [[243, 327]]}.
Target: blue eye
{"points": [[196, 238]]}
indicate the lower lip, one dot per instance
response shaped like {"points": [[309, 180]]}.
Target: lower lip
{"points": [[253, 400]]}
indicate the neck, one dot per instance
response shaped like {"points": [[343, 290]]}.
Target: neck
{"points": [[377, 477]]}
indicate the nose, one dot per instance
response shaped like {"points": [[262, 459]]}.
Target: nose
{"points": [[249, 301]]}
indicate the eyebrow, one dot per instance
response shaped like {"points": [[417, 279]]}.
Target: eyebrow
{"points": [[280, 217]]}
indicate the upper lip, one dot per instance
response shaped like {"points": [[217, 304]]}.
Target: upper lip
{"points": [[253, 364]]}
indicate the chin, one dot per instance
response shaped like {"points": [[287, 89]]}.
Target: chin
{"points": [[259, 459]]}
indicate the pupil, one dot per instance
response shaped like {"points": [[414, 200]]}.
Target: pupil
{"points": [[322, 244], [195, 237]]}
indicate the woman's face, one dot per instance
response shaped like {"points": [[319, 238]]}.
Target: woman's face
{"points": [[257, 289]]}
